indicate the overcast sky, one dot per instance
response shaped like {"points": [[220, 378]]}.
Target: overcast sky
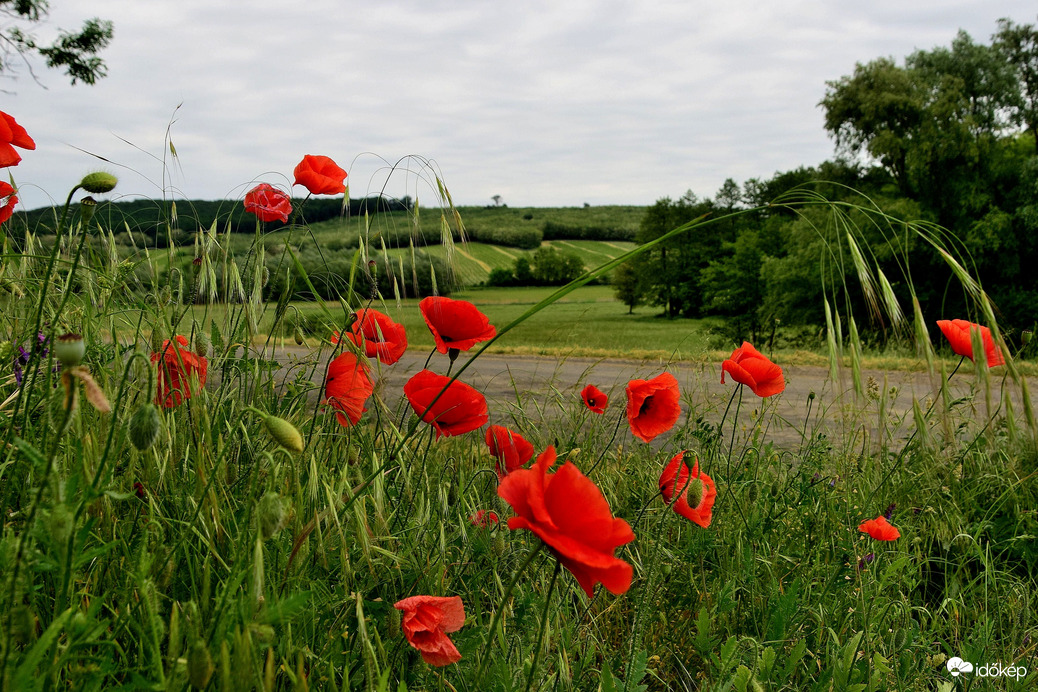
{"points": [[546, 103]]}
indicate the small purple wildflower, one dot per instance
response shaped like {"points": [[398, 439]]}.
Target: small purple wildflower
{"points": [[890, 511], [867, 560]]}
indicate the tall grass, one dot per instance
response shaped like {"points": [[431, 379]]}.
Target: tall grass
{"points": [[218, 558]]}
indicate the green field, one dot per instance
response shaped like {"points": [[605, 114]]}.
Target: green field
{"points": [[588, 321]]}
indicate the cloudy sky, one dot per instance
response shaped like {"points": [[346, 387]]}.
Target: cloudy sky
{"points": [[544, 102]]}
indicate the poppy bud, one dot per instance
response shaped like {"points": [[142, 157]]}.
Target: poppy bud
{"points": [[202, 344], [393, 624], [98, 182], [199, 664], [196, 266], [69, 349], [499, 544], [284, 433], [87, 205], [299, 336], [1025, 337], [273, 514], [144, 426], [452, 353], [811, 395], [695, 492], [751, 492]]}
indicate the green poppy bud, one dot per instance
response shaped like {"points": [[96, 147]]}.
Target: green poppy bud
{"points": [[284, 433], [393, 624], [69, 349], [202, 344], [273, 514], [1025, 337], [695, 492], [99, 182], [199, 664], [144, 426]]}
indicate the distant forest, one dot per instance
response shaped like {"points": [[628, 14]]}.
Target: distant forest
{"points": [[153, 217]]}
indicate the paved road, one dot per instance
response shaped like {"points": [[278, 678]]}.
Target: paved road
{"points": [[538, 383]]}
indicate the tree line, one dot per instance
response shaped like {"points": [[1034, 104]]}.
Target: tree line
{"points": [[948, 136]]}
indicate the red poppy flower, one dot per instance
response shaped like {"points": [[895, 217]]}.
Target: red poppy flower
{"points": [[594, 398], [457, 410], [347, 388], [380, 336], [569, 513], [12, 135], [879, 529], [179, 365], [426, 622], [484, 518], [675, 479], [750, 367], [12, 199], [268, 203], [653, 406], [509, 447], [320, 175], [455, 323], [957, 332]]}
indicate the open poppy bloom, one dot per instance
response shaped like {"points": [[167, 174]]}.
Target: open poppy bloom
{"points": [[594, 398], [752, 368], [695, 493], [320, 175], [510, 448], [958, 334], [653, 406], [6, 191], [347, 388], [378, 334], [177, 366], [268, 203], [459, 409], [569, 513], [12, 135], [880, 529], [455, 323], [484, 518], [426, 622]]}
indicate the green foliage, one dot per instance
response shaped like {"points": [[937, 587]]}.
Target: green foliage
{"points": [[628, 286], [74, 51]]}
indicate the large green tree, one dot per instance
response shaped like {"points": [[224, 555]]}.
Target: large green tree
{"points": [[75, 52]]}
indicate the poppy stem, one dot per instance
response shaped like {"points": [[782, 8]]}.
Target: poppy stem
{"points": [[735, 426], [544, 626], [609, 444], [504, 602]]}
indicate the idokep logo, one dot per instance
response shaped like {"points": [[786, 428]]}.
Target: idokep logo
{"points": [[957, 666]]}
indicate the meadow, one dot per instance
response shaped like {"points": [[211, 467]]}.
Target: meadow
{"points": [[168, 528]]}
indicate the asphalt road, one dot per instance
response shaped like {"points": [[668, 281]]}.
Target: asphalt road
{"points": [[545, 386]]}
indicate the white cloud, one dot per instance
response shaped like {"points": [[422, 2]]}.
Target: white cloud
{"points": [[545, 103]]}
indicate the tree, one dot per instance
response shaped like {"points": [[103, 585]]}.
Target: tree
{"points": [[497, 200], [628, 286], [554, 268], [1018, 47], [75, 52]]}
